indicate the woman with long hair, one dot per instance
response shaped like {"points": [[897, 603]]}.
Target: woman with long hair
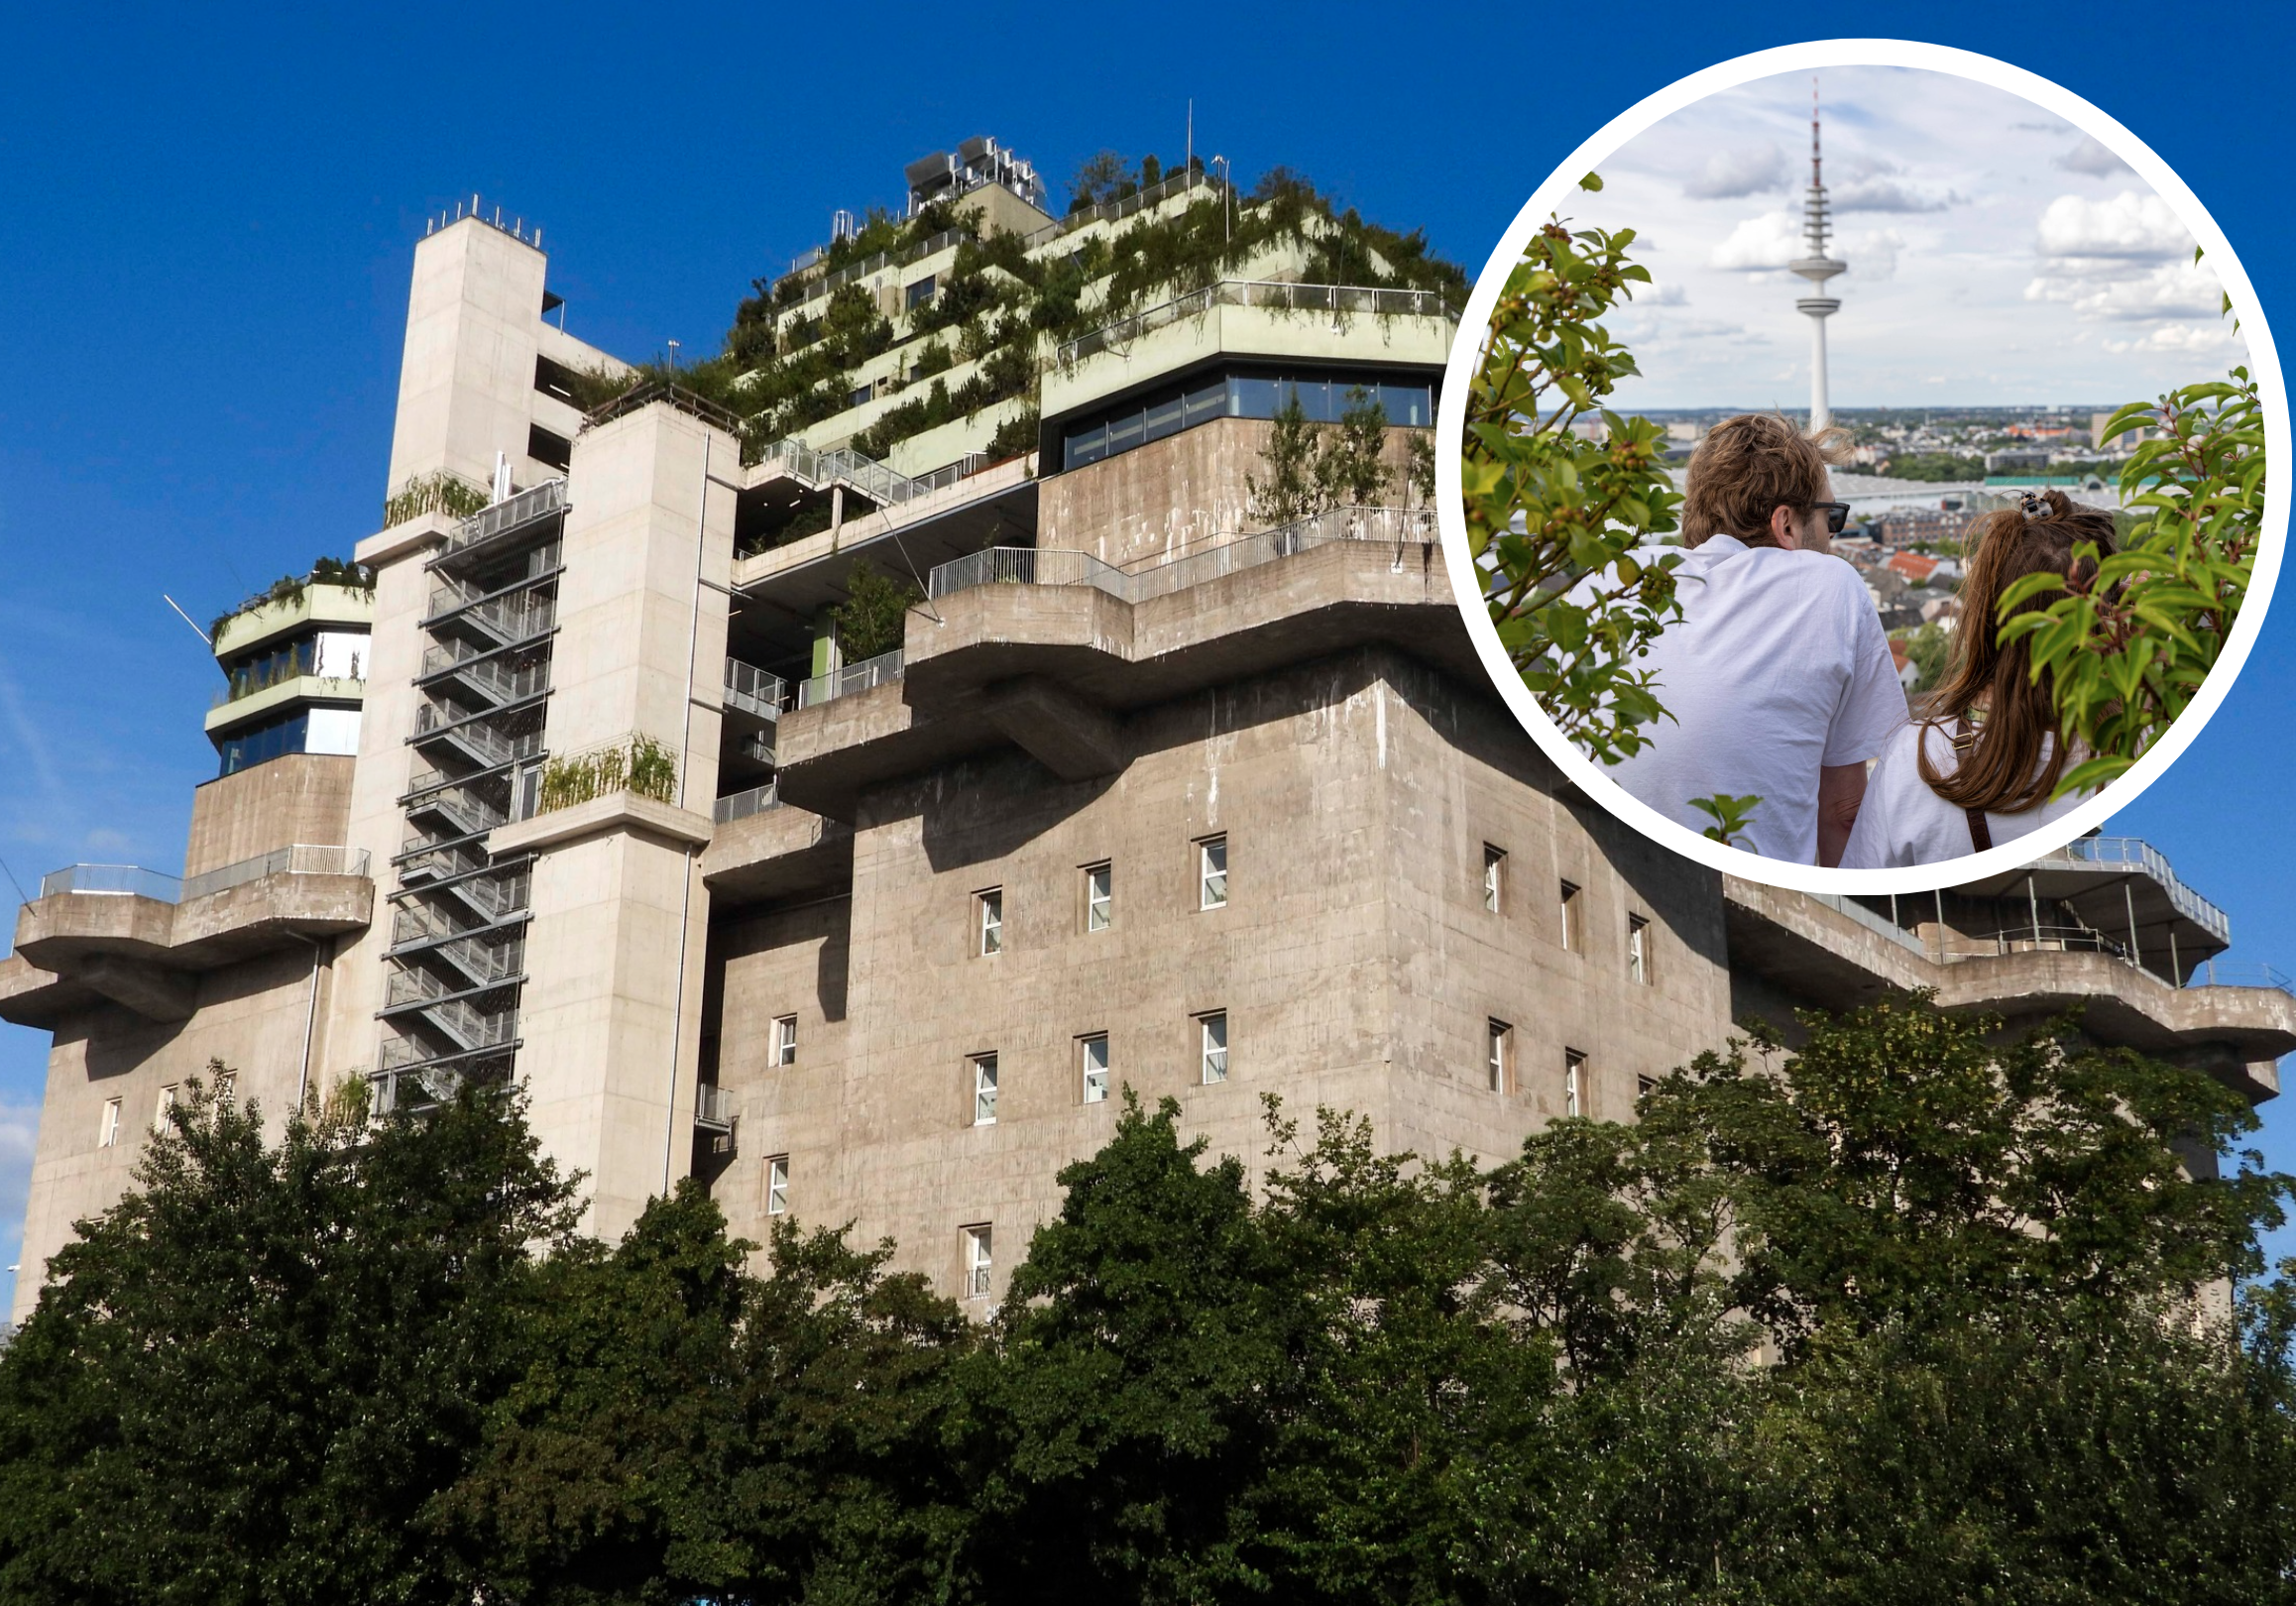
{"points": [[1979, 764]]}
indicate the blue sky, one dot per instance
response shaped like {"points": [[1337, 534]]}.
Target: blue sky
{"points": [[209, 215]]}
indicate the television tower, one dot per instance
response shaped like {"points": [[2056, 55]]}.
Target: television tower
{"points": [[1817, 267]]}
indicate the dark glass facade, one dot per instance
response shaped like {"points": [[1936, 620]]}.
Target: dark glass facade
{"points": [[244, 749], [1243, 392]]}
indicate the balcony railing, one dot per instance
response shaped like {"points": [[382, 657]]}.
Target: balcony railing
{"points": [[111, 882], [753, 691], [854, 677], [881, 261], [511, 514], [2216, 973], [1341, 301], [299, 858], [1179, 183], [1020, 565], [2136, 854], [452, 592], [741, 805]]}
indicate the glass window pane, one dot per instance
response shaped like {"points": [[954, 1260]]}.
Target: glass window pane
{"points": [[1087, 445], [1205, 401], [1253, 397], [1164, 417], [1124, 431], [1095, 1066], [1214, 1033], [1407, 404]]}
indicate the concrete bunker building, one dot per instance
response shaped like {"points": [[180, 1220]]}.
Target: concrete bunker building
{"points": [[1152, 791]]}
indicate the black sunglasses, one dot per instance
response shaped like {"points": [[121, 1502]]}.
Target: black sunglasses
{"points": [[1837, 515]]}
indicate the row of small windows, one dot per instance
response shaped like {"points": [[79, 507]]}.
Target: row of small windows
{"points": [[1099, 895], [1092, 1067], [1568, 916], [1576, 1092], [109, 1124], [1237, 395]]}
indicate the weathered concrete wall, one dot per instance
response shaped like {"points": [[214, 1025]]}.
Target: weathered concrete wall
{"points": [[1354, 958], [251, 1016], [1170, 496], [297, 797]]}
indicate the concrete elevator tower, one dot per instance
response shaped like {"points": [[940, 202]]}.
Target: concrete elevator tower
{"points": [[1817, 267]]}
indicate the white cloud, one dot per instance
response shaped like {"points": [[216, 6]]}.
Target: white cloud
{"points": [[2180, 337], [2128, 226], [1743, 171], [2172, 289], [1669, 294], [1871, 253], [1770, 241], [1882, 195], [2092, 158]]}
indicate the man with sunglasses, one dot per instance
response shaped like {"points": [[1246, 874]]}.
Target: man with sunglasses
{"points": [[1777, 679]]}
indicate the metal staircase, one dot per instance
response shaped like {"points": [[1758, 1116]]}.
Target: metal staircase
{"points": [[457, 951]]}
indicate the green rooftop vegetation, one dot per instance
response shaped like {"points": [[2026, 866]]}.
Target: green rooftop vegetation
{"points": [[1005, 302], [327, 571]]}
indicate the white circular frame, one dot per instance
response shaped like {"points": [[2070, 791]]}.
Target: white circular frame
{"points": [[2263, 364]]}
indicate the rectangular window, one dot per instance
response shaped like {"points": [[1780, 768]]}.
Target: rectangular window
{"points": [[977, 1262], [777, 1186], [1494, 872], [1211, 873], [1495, 1060], [1100, 896], [1646, 1086], [785, 1040], [1212, 1029], [919, 292], [1573, 1083], [1571, 938], [167, 1105], [859, 396], [1094, 1054], [1638, 950], [109, 1132], [984, 1089], [990, 905]]}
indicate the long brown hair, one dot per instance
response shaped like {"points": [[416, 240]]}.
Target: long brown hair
{"points": [[2002, 769]]}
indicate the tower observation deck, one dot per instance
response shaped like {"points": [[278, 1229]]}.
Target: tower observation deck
{"points": [[1817, 267]]}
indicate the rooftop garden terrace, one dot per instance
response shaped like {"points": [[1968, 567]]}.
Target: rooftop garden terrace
{"points": [[968, 341], [327, 571]]}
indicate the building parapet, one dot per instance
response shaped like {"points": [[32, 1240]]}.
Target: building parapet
{"points": [[844, 681], [137, 937], [1008, 565], [1284, 296]]}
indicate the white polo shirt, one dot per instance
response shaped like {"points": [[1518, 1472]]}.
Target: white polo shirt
{"points": [[1777, 667], [1904, 823]]}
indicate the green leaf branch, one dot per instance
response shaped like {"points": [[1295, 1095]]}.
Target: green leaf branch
{"points": [[2129, 642], [1545, 509]]}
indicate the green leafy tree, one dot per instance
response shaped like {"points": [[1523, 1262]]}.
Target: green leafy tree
{"points": [[1547, 508], [685, 1430], [1292, 489], [874, 614], [2130, 644], [246, 1380], [1352, 467], [1130, 1395]]}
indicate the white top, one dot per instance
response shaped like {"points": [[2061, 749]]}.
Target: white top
{"points": [[1778, 666], [1904, 823]]}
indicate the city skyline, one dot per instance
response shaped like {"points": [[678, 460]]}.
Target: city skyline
{"points": [[1997, 255]]}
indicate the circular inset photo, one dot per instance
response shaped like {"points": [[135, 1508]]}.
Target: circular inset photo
{"points": [[1860, 466]]}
